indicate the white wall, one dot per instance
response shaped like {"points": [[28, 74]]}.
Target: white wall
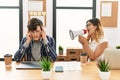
{"points": [[112, 34], [25, 16], [49, 26]]}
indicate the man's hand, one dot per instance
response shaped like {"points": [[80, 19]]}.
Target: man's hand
{"points": [[29, 36], [43, 33]]}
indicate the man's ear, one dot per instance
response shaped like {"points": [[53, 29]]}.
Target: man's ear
{"points": [[28, 31], [41, 28]]}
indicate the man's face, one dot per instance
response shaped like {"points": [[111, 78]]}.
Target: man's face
{"points": [[36, 35]]}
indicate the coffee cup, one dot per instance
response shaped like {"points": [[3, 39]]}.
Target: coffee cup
{"points": [[83, 58], [8, 59]]}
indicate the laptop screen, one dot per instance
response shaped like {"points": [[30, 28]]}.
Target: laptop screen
{"points": [[29, 65]]}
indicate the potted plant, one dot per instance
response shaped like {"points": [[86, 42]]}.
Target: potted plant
{"points": [[104, 69], [60, 50], [46, 67], [118, 47]]}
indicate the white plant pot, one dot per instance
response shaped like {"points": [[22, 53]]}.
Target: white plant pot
{"points": [[104, 75], [46, 74]]}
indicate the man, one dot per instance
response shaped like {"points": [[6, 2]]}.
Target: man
{"points": [[36, 44]]}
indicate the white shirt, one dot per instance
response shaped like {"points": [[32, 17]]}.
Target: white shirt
{"points": [[93, 45]]}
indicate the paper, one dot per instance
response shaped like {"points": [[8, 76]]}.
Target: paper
{"points": [[107, 9], [72, 65]]}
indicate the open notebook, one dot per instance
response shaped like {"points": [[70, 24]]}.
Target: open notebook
{"points": [[29, 65]]}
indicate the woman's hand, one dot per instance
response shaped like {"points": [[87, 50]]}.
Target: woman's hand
{"points": [[82, 40]]}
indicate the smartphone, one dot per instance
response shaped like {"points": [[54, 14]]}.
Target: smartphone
{"points": [[59, 69]]}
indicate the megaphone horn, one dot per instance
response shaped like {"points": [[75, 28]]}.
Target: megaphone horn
{"points": [[74, 34]]}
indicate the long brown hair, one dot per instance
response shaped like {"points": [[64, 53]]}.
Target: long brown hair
{"points": [[99, 31]]}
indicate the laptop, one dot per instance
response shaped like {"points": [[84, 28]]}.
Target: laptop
{"points": [[113, 55], [29, 65]]}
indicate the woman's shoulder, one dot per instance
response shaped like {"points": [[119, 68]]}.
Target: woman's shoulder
{"points": [[101, 40]]}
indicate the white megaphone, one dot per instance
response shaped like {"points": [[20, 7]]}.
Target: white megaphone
{"points": [[74, 34]]}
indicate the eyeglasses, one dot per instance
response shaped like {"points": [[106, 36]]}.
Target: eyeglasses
{"points": [[88, 25]]}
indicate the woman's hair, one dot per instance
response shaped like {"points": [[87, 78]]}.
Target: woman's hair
{"points": [[33, 23], [99, 31]]}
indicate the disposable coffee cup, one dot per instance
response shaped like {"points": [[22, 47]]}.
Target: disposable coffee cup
{"points": [[83, 58], [8, 59]]}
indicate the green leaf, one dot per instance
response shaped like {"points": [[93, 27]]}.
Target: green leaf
{"points": [[60, 48], [103, 65], [45, 63]]}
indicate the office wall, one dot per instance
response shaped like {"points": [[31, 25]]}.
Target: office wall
{"points": [[112, 34], [25, 16], [49, 26]]}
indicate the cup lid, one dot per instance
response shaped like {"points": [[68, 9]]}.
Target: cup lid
{"points": [[83, 54], [7, 55]]}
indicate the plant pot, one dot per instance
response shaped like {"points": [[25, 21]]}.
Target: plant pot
{"points": [[46, 74], [104, 75], [60, 52]]}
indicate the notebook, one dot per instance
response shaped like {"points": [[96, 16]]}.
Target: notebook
{"points": [[29, 65], [113, 56]]}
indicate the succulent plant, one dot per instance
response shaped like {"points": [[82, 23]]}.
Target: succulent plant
{"points": [[45, 63], [60, 48], [118, 47], [103, 65]]}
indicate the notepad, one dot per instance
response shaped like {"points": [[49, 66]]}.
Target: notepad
{"points": [[29, 65], [70, 65]]}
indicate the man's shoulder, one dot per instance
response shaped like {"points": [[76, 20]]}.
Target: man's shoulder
{"points": [[23, 39], [49, 38]]}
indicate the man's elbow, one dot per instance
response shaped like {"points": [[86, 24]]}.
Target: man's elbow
{"points": [[54, 59], [16, 59]]}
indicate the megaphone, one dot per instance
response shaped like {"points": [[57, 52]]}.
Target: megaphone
{"points": [[74, 34]]}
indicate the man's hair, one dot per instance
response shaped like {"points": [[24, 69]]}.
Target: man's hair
{"points": [[33, 23]]}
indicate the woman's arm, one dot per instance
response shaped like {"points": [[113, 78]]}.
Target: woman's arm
{"points": [[98, 51]]}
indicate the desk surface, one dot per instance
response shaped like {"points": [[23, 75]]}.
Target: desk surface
{"points": [[88, 72]]}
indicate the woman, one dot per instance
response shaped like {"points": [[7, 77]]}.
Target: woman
{"points": [[95, 44]]}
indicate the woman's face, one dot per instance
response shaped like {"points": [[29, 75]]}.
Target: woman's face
{"points": [[91, 28]]}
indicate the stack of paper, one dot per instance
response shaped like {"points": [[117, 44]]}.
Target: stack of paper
{"points": [[72, 65]]}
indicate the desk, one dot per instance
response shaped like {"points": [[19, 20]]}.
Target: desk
{"points": [[88, 72]]}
